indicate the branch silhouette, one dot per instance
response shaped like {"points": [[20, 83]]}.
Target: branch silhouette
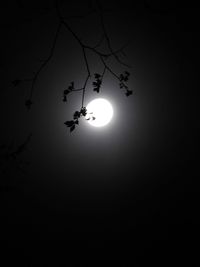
{"points": [[63, 22]]}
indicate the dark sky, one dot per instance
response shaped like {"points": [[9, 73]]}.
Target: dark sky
{"points": [[123, 195]]}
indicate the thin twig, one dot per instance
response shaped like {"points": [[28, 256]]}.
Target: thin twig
{"points": [[88, 76], [99, 42], [83, 95], [108, 68], [45, 61], [108, 39]]}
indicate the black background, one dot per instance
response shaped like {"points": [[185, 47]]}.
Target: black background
{"points": [[124, 195]]}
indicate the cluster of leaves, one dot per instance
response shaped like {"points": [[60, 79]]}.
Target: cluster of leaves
{"points": [[97, 83], [124, 77], [67, 91], [77, 114]]}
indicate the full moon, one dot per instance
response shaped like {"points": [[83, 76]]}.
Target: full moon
{"points": [[99, 112]]}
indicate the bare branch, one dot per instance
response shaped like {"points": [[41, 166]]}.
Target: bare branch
{"points": [[45, 61], [88, 76], [84, 88], [114, 53], [108, 68]]}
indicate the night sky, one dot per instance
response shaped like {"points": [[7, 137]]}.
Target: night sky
{"points": [[123, 195]]}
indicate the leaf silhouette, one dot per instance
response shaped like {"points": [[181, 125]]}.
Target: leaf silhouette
{"points": [[97, 83], [127, 73], [69, 123], [64, 98], [66, 92], [129, 92], [71, 86], [77, 115], [72, 128], [96, 89], [83, 111], [124, 76], [121, 77], [121, 85], [97, 75]]}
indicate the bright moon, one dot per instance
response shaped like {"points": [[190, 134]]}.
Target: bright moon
{"points": [[101, 110]]}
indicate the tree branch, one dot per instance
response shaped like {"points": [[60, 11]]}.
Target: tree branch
{"points": [[45, 61], [122, 78], [114, 53]]}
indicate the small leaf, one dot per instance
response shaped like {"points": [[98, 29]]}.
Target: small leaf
{"points": [[97, 75], [69, 123], [96, 89], [64, 98], [121, 85], [121, 77], [76, 122], [72, 128], [95, 83], [71, 86], [83, 111], [127, 73], [77, 114], [66, 92], [129, 92]]}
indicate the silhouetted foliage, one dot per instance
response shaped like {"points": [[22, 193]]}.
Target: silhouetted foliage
{"points": [[97, 83], [67, 91], [129, 92], [123, 78], [77, 115], [63, 24]]}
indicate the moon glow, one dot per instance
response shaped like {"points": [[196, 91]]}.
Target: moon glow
{"points": [[99, 112]]}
